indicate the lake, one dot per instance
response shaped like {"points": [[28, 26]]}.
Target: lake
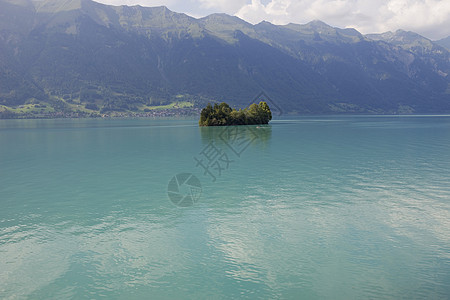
{"points": [[336, 207]]}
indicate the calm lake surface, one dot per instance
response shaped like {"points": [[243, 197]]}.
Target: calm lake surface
{"points": [[346, 207]]}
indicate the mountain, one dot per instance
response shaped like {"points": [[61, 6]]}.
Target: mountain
{"points": [[60, 57], [445, 42]]}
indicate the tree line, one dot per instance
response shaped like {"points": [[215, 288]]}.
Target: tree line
{"points": [[222, 115]]}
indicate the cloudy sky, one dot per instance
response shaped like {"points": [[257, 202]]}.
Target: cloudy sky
{"points": [[430, 18]]}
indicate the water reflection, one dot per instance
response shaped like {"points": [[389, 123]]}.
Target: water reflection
{"points": [[237, 138]]}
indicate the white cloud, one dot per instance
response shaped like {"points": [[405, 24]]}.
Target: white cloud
{"points": [[430, 18], [136, 2], [226, 6]]}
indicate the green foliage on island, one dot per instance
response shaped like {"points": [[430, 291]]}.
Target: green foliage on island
{"points": [[222, 115]]}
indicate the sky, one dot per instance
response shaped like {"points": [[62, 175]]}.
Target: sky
{"points": [[430, 18]]}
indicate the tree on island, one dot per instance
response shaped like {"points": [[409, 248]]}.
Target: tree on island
{"points": [[222, 115]]}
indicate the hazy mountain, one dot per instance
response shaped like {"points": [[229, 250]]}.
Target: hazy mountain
{"points": [[445, 42], [66, 55]]}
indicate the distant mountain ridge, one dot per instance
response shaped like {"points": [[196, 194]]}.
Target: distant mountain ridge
{"points": [[445, 42], [82, 56]]}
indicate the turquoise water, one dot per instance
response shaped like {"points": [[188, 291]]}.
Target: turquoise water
{"points": [[309, 207]]}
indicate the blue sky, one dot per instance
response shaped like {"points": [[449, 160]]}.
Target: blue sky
{"points": [[430, 18]]}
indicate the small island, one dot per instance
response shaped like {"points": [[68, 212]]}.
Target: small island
{"points": [[223, 115]]}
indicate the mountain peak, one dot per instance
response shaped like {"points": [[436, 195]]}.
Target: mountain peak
{"points": [[445, 42], [162, 8], [224, 19], [317, 24], [409, 35], [22, 3], [399, 35], [265, 24], [55, 6], [409, 41]]}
